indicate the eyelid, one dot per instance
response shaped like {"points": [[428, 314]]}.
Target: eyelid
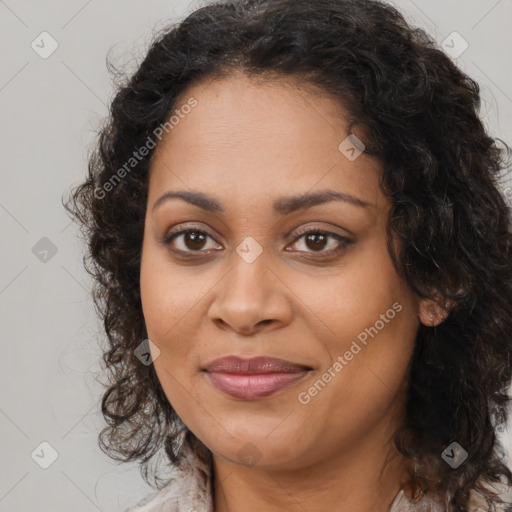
{"points": [[187, 226], [327, 230]]}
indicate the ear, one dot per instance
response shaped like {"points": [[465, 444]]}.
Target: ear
{"points": [[431, 314]]}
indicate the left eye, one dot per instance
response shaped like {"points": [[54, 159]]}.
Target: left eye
{"points": [[317, 241]]}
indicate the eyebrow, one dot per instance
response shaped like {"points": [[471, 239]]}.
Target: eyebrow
{"points": [[282, 206]]}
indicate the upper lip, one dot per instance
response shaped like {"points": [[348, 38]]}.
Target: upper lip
{"points": [[255, 365]]}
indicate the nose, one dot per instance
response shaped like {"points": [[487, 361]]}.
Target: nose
{"points": [[251, 297]]}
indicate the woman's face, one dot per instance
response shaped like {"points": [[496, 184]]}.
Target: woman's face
{"points": [[246, 281]]}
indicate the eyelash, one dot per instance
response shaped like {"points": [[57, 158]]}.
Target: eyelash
{"points": [[344, 242]]}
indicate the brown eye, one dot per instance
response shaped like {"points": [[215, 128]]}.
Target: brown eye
{"points": [[315, 241], [194, 240], [189, 240]]}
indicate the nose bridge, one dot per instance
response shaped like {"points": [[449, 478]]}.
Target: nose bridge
{"points": [[248, 280], [248, 294]]}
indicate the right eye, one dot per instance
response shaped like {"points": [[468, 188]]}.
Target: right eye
{"points": [[188, 241]]}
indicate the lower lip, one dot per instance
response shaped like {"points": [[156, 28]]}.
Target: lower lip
{"points": [[253, 387]]}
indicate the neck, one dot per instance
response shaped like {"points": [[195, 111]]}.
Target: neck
{"points": [[365, 477]]}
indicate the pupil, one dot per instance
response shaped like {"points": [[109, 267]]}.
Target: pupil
{"points": [[311, 238], [195, 238]]}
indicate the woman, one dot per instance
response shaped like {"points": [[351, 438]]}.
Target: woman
{"points": [[303, 265]]}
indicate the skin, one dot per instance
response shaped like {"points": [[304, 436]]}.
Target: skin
{"points": [[248, 143]]}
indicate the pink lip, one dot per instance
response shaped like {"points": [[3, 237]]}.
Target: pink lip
{"points": [[251, 379]]}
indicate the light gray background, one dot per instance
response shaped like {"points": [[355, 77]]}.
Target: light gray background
{"points": [[50, 110]]}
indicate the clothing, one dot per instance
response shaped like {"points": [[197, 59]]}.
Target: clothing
{"points": [[189, 492]]}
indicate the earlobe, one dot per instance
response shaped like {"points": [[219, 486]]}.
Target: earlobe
{"points": [[431, 314]]}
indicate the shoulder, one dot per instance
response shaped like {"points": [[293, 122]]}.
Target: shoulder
{"points": [[189, 489], [477, 502], [163, 500]]}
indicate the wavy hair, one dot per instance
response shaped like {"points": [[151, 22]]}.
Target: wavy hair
{"points": [[441, 172]]}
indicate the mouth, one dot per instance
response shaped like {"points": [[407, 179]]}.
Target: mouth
{"points": [[253, 379]]}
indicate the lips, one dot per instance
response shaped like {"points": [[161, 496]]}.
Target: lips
{"points": [[252, 379], [256, 365]]}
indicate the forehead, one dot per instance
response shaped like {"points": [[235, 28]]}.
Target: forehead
{"points": [[250, 136]]}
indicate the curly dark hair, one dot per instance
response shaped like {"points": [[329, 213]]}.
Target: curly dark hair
{"points": [[440, 170]]}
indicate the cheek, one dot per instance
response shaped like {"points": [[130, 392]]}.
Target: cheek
{"points": [[171, 304], [355, 296], [170, 301], [368, 317], [168, 293]]}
